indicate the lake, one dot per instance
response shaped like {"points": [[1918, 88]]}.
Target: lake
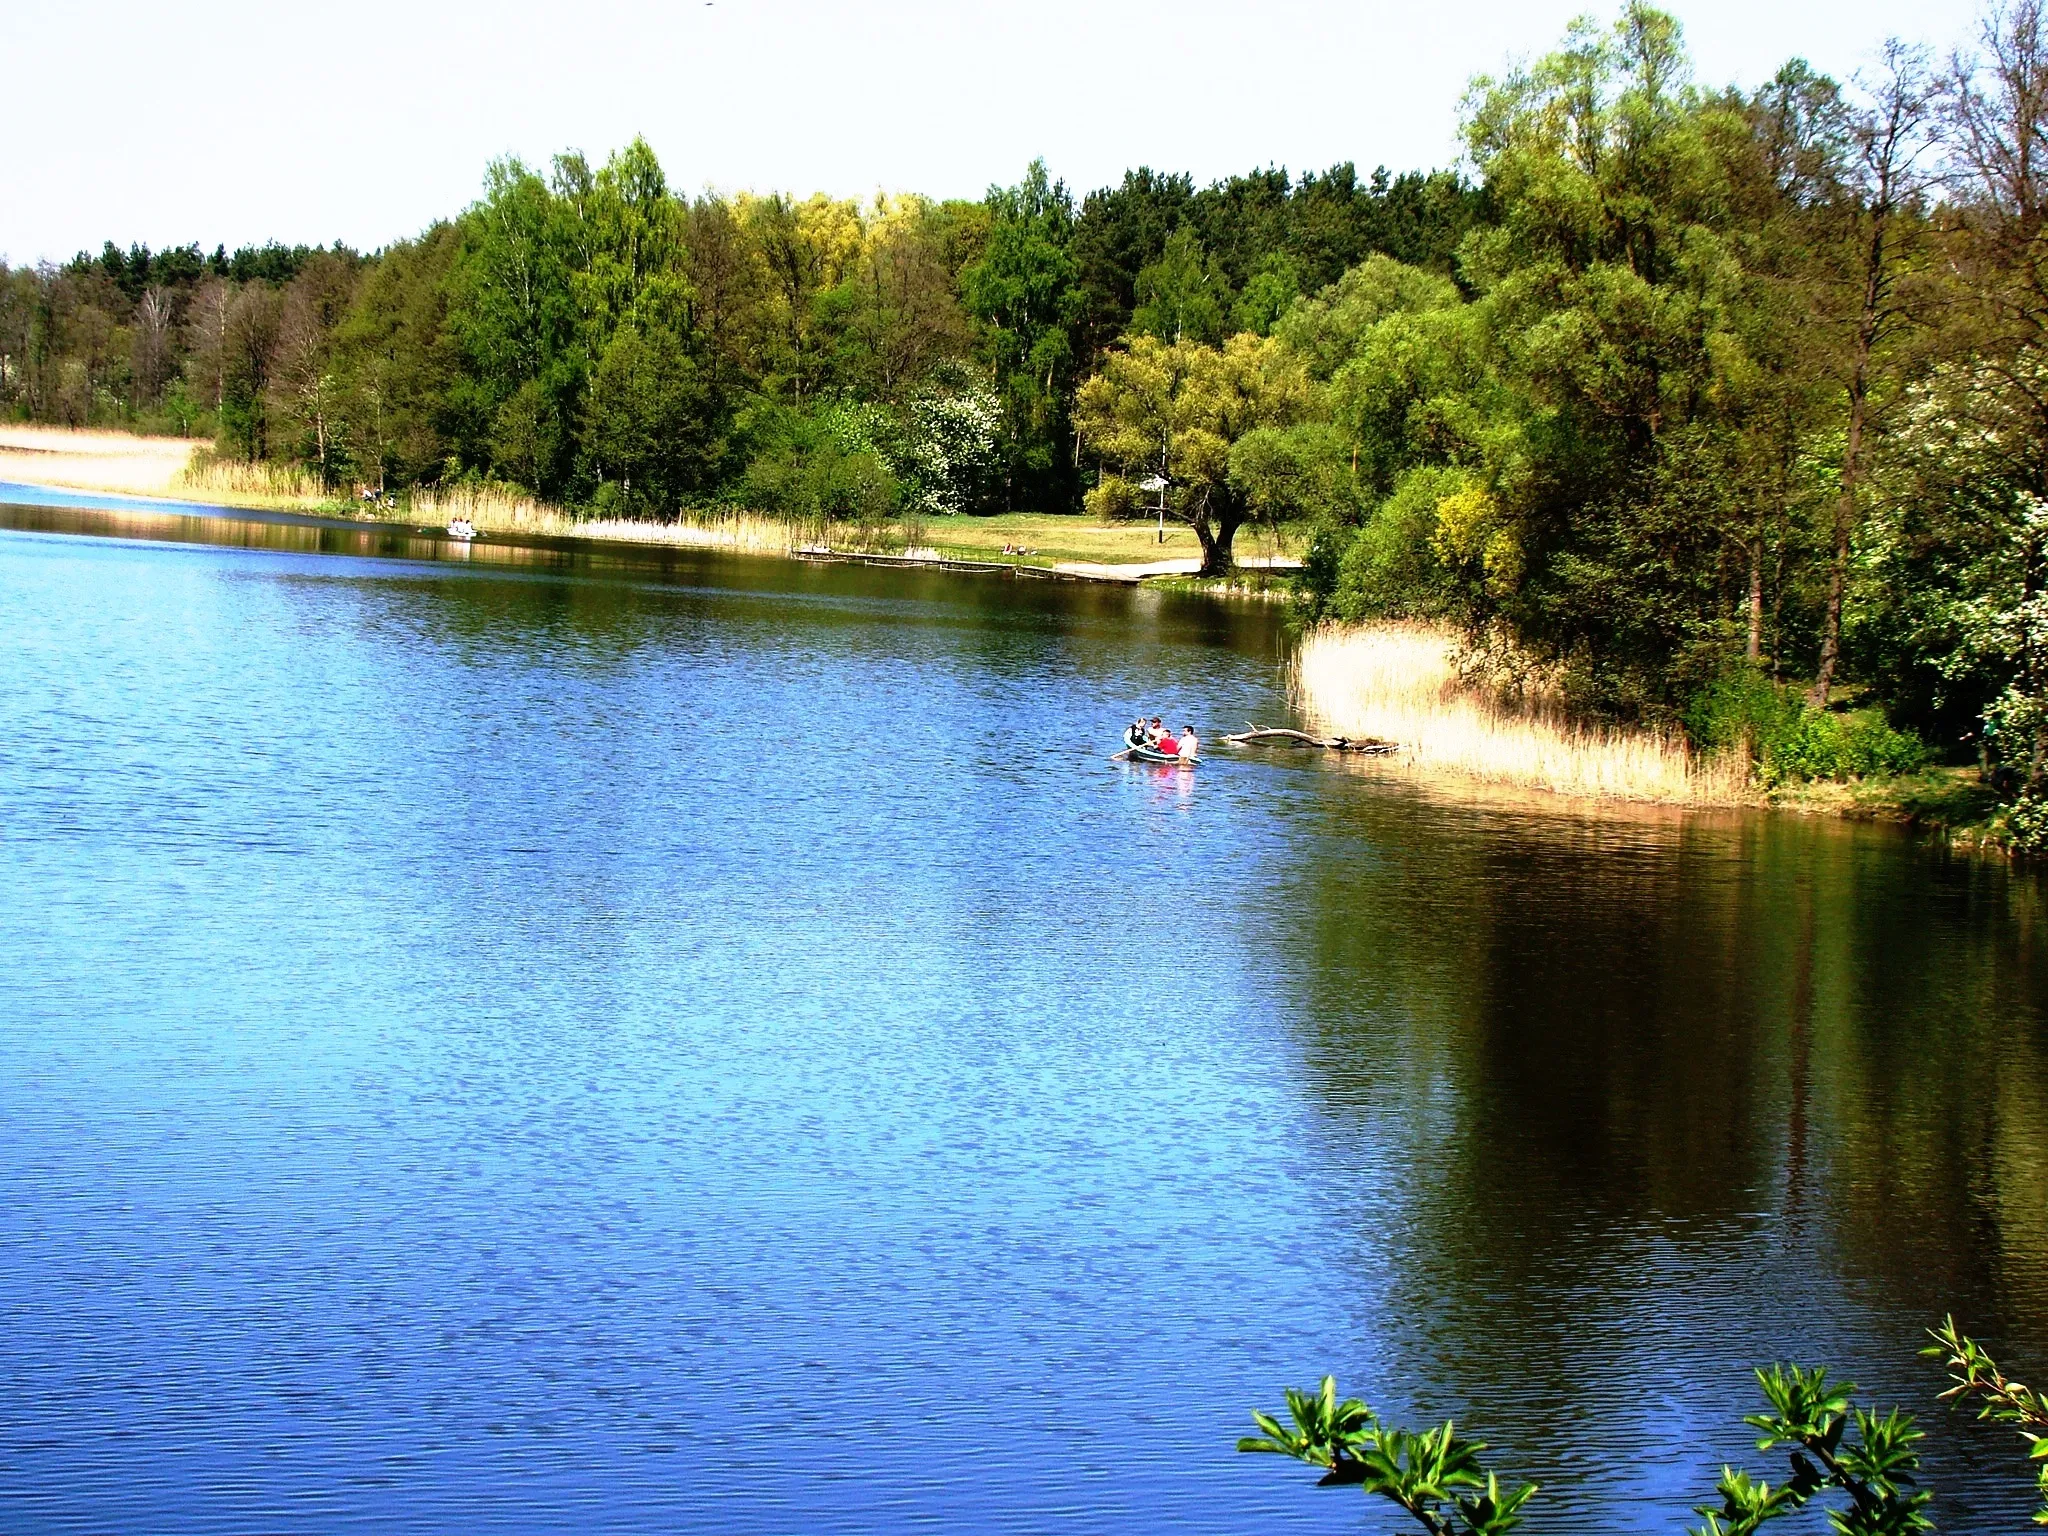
{"points": [[633, 1040]]}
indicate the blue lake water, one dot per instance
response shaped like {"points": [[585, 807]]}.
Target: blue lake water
{"points": [[564, 1039]]}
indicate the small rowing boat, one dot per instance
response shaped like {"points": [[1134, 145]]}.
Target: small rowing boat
{"points": [[1137, 752]]}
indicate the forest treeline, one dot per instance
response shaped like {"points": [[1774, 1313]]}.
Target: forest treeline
{"points": [[593, 336], [1713, 405]]}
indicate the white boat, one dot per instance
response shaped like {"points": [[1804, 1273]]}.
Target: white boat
{"points": [[462, 528]]}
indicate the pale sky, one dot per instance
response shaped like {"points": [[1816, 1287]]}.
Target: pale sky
{"points": [[240, 121]]}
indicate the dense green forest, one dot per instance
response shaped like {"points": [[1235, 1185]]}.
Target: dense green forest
{"points": [[594, 337], [1719, 406]]}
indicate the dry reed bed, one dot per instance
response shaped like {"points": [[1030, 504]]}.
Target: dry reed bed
{"points": [[495, 510], [492, 509], [1402, 683], [93, 461], [182, 467], [236, 480]]}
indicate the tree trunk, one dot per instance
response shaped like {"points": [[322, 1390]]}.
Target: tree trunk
{"points": [[1217, 529], [2030, 667], [1756, 599], [1838, 565], [1875, 285]]}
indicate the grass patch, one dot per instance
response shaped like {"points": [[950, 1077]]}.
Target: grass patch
{"points": [[1053, 538], [1265, 586]]}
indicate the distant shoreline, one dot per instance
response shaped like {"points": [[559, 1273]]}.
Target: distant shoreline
{"points": [[164, 469]]}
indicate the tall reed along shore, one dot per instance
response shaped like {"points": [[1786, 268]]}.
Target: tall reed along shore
{"points": [[125, 462], [1402, 683], [1455, 723]]}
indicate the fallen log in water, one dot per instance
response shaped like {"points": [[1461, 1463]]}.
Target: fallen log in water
{"points": [[1372, 746]]}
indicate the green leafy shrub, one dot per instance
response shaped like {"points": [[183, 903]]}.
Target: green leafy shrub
{"points": [[1863, 1463], [1426, 1474], [1113, 497], [814, 470], [1834, 1446], [1789, 740], [1739, 707], [2026, 823], [1975, 1377], [1390, 567], [1817, 745], [1861, 1466]]}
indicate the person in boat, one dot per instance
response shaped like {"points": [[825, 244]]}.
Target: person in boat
{"points": [[1190, 744], [1166, 745], [1134, 734], [1155, 732]]}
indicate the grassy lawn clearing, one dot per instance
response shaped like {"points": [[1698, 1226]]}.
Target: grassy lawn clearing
{"points": [[1052, 538]]}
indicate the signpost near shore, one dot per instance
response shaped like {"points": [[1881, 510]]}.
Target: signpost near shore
{"points": [[1157, 483]]}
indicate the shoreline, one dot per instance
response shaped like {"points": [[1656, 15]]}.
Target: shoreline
{"points": [[1401, 683], [683, 533], [168, 470], [1547, 756]]}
